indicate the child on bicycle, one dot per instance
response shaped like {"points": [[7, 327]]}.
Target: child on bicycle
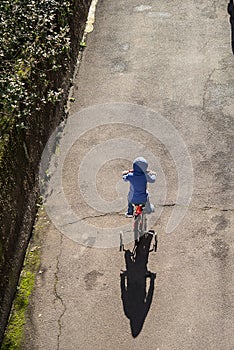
{"points": [[138, 178]]}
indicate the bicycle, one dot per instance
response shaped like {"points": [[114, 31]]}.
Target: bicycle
{"points": [[140, 229]]}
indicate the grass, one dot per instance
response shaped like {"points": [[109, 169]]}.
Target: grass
{"points": [[15, 327], [15, 330]]}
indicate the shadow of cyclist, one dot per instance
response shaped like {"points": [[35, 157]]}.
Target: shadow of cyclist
{"points": [[135, 296], [230, 10]]}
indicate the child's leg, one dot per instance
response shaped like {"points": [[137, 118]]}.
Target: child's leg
{"points": [[130, 208], [149, 208]]}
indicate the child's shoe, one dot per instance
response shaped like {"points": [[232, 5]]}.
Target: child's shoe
{"points": [[127, 215]]}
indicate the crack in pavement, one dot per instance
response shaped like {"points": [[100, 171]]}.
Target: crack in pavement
{"points": [[56, 294], [93, 216], [166, 205], [102, 215], [205, 92], [205, 208], [205, 101]]}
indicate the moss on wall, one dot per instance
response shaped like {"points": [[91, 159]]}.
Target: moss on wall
{"points": [[15, 329]]}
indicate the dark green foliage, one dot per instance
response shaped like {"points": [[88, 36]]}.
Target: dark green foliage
{"points": [[36, 65], [39, 43], [34, 40]]}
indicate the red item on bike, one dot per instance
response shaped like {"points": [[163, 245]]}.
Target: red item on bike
{"points": [[138, 210]]}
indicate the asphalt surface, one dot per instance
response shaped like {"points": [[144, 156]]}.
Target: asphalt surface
{"points": [[174, 58]]}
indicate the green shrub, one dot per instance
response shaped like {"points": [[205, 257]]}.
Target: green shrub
{"points": [[35, 40]]}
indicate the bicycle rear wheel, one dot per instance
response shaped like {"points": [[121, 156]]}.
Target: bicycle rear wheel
{"points": [[136, 228], [144, 224]]}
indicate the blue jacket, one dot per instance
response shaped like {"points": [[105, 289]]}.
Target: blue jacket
{"points": [[138, 179]]}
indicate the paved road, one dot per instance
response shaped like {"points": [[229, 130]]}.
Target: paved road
{"points": [[175, 59]]}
